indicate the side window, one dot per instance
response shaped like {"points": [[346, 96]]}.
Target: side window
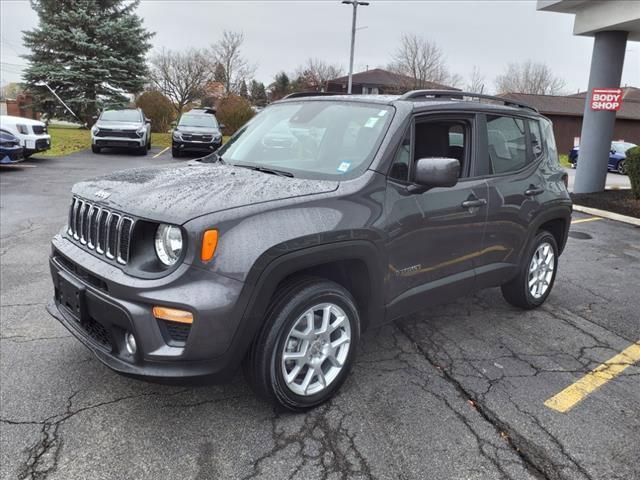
{"points": [[507, 143], [442, 139], [402, 160], [549, 141], [535, 139]]}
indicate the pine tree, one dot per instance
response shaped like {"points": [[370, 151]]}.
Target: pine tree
{"points": [[281, 86], [91, 52], [258, 94], [244, 91]]}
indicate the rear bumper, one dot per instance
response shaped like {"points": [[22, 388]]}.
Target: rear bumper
{"points": [[111, 308]]}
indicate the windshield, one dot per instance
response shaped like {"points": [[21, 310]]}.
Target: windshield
{"points": [[622, 147], [311, 139], [194, 120], [121, 116]]}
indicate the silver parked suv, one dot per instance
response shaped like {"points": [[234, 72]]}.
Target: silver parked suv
{"points": [[126, 128]]}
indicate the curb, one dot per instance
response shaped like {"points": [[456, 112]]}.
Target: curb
{"points": [[605, 214]]}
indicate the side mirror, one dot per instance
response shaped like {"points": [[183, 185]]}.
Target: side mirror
{"points": [[147, 121], [174, 124], [95, 117], [435, 172], [221, 126]]}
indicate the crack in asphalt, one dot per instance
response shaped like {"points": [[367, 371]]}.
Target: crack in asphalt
{"points": [[43, 456], [322, 441]]}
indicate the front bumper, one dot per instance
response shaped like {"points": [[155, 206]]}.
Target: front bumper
{"points": [[196, 146], [36, 143], [110, 303], [11, 155], [118, 142]]}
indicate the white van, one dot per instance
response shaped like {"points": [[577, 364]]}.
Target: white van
{"points": [[32, 134]]}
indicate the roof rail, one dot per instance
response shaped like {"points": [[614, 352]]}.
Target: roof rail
{"points": [[454, 94], [310, 94]]}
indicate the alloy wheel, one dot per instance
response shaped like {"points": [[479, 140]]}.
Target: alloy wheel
{"points": [[316, 349], [541, 270]]}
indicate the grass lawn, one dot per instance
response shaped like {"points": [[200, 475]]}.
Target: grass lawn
{"points": [[68, 139]]}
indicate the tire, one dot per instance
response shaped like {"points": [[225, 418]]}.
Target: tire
{"points": [[149, 144], [95, 149], [175, 153], [142, 150], [518, 291], [622, 168], [264, 367]]}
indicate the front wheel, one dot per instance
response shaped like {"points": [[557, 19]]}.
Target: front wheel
{"points": [[622, 168], [531, 287], [307, 345], [175, 152], [95, 149]]}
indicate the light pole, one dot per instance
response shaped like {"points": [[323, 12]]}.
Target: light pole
{"points": [[355, 4]]}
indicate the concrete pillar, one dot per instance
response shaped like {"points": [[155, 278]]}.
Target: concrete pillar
{"points": [[597, 126]]}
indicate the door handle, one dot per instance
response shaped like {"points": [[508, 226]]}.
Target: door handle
{"points": [[532, 191], [479, 202]]}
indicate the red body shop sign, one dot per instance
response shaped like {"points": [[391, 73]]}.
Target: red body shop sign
{"points": [[606, 99]]}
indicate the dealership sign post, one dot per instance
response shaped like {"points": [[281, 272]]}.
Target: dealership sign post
{"points": [[609, 99]]}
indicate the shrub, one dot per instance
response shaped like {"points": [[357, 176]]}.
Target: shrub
{"points": [[632, 164], [158, 109], [234, 111]]}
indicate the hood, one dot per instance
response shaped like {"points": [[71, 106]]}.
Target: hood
{"points": [[179, 194], [118, 125], [11, 120]]}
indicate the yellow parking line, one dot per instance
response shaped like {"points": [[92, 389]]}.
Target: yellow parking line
{"points": [[573, 394], [582, 220], [161, 152]]}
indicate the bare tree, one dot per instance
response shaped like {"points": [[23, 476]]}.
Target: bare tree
{"points": [[315, 74], [529, 77], [181, 76], [227, 53], [422, 61], [476, 81]]}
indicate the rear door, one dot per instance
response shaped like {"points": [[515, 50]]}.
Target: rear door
{"points": [[512, 159], [433, 237]]}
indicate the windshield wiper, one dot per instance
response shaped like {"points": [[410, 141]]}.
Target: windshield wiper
{"points": [[280, 173], [212, 158]]}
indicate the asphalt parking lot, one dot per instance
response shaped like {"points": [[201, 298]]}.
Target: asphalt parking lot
{"points": [[461, 391]]}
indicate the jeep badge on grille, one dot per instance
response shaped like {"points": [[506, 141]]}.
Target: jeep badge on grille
{"points": [[102, 194]]}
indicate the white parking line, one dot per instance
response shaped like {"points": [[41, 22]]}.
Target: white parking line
{"points": [[161, 152]]}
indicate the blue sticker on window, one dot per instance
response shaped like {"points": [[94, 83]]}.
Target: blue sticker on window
{"points": [[344, 166]]}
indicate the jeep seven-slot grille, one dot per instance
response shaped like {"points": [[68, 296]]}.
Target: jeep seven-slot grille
{"points": [[100, 229]]}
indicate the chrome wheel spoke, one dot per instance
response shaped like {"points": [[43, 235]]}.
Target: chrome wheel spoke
{"points": [[541, 270], [291, 376], [294, 356]]}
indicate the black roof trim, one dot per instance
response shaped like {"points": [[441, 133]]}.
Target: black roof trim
{"points": [[453, 95]]}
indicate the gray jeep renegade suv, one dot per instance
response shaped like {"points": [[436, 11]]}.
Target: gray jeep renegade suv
{"points": [[321, 217]]}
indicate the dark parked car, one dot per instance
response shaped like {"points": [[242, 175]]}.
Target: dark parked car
{"points": [[617, 156], [10, 148], [278, 255], [197, 131]]}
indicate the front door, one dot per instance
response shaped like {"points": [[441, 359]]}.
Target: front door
{"points": [[433, 237]]}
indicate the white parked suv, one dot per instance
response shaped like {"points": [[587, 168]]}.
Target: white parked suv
{"points": [[122, 128], [32, 134]]}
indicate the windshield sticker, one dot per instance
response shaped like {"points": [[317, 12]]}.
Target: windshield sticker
{"points": [[344, 166], [371, 122]]}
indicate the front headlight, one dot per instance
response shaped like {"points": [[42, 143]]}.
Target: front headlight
{"points": [[176, 135], [141, 131], [22, 129], [168, 243], [95, 130]]}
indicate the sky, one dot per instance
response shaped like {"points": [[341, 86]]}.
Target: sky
{"points": [[280, 35]]}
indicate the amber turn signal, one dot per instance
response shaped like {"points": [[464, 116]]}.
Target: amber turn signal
{"points": [[209, 244], [172, 314]]}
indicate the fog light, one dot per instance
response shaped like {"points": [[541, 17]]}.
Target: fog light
{"points": [[130, 342]]}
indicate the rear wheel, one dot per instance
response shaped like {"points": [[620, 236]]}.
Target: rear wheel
{"points": [[622, 167], [531, 287], [307, 345]]}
